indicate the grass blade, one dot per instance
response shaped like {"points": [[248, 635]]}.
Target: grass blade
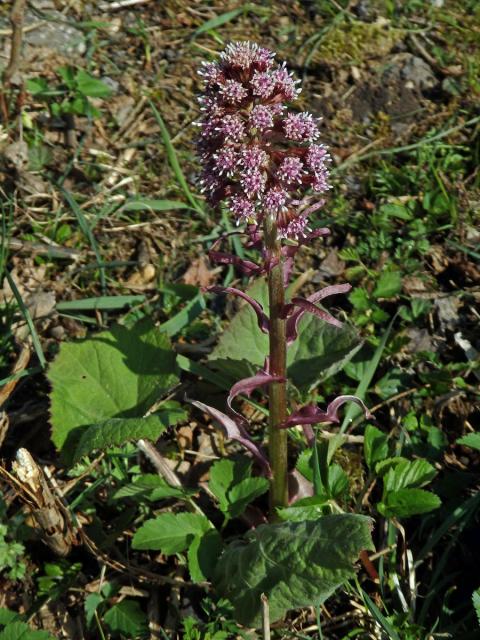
{"points": [[378, 615], [189, 312], [87, 231], [101, 302], [150, 204], [28, 319], [218, 21], [353, 410], [174, 164]]}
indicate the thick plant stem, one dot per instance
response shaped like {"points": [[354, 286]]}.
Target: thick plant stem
{"points": [[277, 438]]}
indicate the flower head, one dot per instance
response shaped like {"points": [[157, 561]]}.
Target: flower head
{"points": [[256, 154]]}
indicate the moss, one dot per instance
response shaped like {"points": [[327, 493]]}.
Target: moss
{"points": [[349, 42]]}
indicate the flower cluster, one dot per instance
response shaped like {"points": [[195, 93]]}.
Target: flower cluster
{"points": [[257, 156]]}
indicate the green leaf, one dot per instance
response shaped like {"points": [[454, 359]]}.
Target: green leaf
{"points": [[231, 484], [170, 532], [118, 431], [359, 299], [90, 86], [152, 487], [476, 603], [241, 494], [7, 616], [320, 351], [300, 513], [389, 285], [119, 373], [37, 86], [21, 631], [375, 446], [224, 474], [203, 554], [381, 468], [471, 440], [409, 473], [295, 564], [92, 602], [396, 211], [408, 502], [126, 618]]}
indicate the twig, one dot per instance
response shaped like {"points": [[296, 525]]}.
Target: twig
{"points": [[265, 618], [159, 462], [16, 20], [121, 4], [52, 518]]}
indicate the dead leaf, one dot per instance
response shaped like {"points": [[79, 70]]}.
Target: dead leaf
{"points": [[198, 274]]}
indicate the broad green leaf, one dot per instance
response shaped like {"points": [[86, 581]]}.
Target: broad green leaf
{"points": [[203, 554], [409, 473], [471, 440], [92, 601], [226, 473], [241, 494], [126, 618], [295, 564], [21, 631], [375, 446], [408, 502], [232, 485], [152, 487], [382, 467], [119, 373], [300, 513], [476, 603], [37, 86], [389, 284], [170, 532], [118, 431], [90, 86], [320, 351], [7, 616]]}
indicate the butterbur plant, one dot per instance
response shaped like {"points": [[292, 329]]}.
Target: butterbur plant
{"points": [[265, 162]]}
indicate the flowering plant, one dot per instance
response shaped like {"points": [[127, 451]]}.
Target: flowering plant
{"points": [[265, 162]]}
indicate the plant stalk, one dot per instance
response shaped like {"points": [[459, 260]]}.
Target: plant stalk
{"points": [[277, 438]]}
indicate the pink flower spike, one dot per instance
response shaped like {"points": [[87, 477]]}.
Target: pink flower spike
{"points": [[235, 430], [262, 318]]}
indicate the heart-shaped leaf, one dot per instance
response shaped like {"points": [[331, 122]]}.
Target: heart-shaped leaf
{"points": [[295, 564], [116, 374]]}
